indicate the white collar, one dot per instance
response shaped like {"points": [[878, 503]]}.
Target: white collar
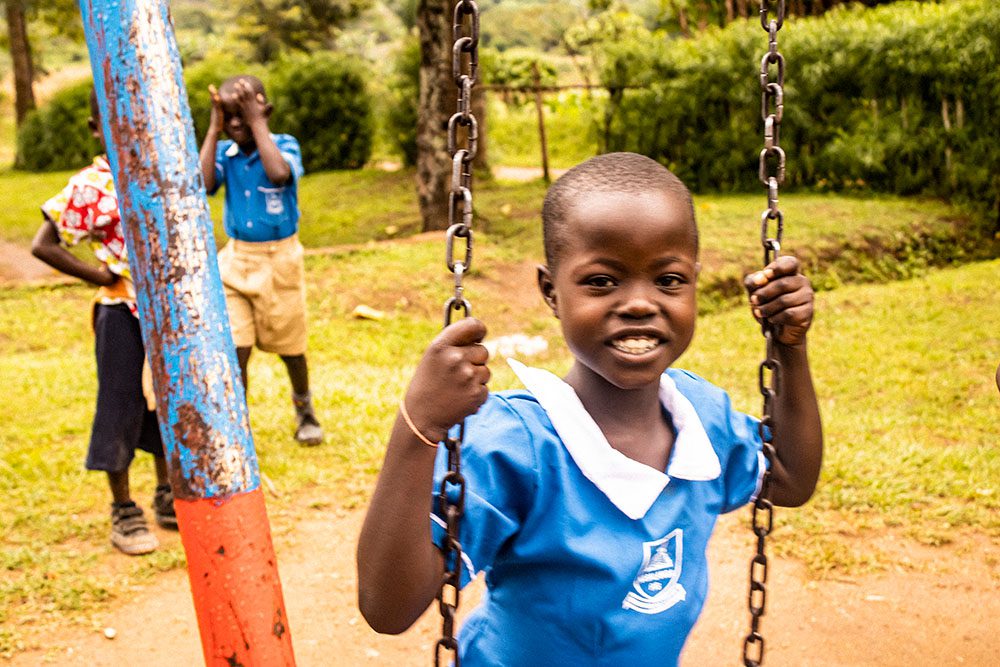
{"points": [[631, 486], [234, 149]]}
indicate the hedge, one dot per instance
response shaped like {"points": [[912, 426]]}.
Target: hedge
{"points": [[904, 98]]}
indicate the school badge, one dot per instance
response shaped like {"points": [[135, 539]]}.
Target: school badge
{"points": [[655, 588]]}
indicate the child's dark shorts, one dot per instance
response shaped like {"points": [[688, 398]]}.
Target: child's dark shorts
{"points": [[122, 423]]}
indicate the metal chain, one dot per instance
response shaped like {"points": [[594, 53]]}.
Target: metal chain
{"points": [[465, 67], [772, 174]]}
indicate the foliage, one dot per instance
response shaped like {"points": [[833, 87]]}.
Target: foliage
{"points": [[277, 26], [517, 69], [323, 101], [404, 92], [57, 136], [902, 98], [537, 25]]}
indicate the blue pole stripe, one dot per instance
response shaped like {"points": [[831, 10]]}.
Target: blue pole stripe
{"points": [[154, 158]]}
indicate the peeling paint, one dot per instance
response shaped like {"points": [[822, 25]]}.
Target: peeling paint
{"points": [[169, 234], [201, 405]]}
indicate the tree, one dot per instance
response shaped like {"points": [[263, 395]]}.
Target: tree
{"points": [[62, 15], [21, 61], [273, 26], [437, 104]]}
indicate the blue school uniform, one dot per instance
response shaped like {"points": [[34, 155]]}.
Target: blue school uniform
{"points": [[592, 558], [256, 209]]}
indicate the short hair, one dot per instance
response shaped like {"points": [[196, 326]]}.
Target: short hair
{"points": [[626, 173], [255, 84]]}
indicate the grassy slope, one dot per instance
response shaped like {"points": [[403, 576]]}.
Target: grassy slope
{"points": [[907, 409], [910, 412]]}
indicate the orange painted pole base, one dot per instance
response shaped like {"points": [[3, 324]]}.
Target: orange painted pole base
{"points": [[234, 581]]}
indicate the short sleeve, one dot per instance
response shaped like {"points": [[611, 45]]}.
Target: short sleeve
{"points": [[744, 465], [221, 158], [735, 437], [498, 464], [292, 153], [73, 211]]}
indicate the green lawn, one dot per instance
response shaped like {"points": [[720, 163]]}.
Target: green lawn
{"points": [[904, 371]]}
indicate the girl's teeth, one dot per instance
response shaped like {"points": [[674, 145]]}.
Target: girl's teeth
{"points": [[634, 345]]}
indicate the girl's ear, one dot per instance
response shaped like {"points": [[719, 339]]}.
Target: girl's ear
{"points": [[548, 289]]}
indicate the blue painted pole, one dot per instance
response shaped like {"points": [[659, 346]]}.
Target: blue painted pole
{"points": [[201, 403]]}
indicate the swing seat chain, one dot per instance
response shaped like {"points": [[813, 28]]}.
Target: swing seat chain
{"points": [[772, 175], [463, 141]]}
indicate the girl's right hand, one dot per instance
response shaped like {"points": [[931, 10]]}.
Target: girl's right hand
{"points": [[450, 381]]}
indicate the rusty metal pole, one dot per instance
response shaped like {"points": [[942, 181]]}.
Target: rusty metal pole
{"points": [[201, 403]]}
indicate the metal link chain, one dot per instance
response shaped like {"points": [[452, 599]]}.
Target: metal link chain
{"points": [[772, 174], [465, 68]]}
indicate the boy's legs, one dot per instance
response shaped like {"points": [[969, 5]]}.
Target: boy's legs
{"points": [[307, 429], [269, 294]]}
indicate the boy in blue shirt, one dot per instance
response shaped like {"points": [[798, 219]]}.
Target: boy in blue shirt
{"points": [[262, 268], [590, 499]]}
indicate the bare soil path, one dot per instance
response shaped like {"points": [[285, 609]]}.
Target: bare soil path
{"points": [[17, 265], [943, 608]]}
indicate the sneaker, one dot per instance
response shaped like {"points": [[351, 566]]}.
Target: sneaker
{"points": [[307, 429], [163, 507], [129, 533]]}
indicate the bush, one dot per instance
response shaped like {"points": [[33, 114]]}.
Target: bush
{"points": [[323, 102], [903, 98], [404, 94], [56, 136]]}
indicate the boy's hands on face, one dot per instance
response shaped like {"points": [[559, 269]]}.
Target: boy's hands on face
{"points": [[450, 381], [253, 106], [217, 120], [783, 296]]}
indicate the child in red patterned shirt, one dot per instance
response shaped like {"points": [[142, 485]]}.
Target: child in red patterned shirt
{"points": [[125, 418]]}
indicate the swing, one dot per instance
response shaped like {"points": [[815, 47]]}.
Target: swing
{"points": [[465, 64]]}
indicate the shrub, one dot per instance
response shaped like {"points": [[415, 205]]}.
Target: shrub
{"points": [[323, 101], [56, 136], [902, 98], [404, 94]]}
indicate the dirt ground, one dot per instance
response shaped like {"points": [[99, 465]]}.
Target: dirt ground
{"points": [[17, 265], [942, 609]]}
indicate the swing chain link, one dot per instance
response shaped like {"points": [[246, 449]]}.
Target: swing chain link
{"points": [[769, 371], [451, 493]]}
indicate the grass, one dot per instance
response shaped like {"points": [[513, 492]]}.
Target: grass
{"points": [[904, 370]]}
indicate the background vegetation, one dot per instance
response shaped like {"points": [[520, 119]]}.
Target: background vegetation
{"points": [[892, 137]]}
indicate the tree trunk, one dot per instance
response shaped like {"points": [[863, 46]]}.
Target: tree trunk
{"points": [[437, 103], [20, 56], [682, 19]]}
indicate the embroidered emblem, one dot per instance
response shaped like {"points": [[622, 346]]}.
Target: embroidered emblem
{"points": [[272, 200], [655, 588]]}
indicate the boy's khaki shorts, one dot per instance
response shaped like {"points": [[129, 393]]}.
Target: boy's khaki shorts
{"points": [[266, 294]]}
